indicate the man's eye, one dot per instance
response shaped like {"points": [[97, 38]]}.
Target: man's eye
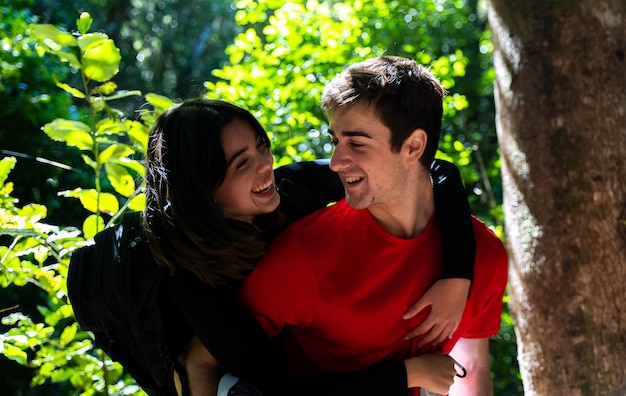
{"points": [[334, 141], [355, 145]]}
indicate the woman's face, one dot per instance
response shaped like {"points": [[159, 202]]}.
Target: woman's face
{"points": [[248, 189]]}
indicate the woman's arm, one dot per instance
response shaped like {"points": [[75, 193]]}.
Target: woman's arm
{"points": [[455, 221], [448, 295], [308, 186], [240, 346], [305, 187]]}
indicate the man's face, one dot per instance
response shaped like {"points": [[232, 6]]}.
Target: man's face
{"points": [[371, 174]]}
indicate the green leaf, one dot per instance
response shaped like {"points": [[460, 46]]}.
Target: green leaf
{"points": [[139, 134], [110, 126], [159, 101], [137, 203], [69, 333], [123, 94], [89, 200], [84, 22], [71, 90], [61, 375], [120, 179], [6, 165], [93, 164], [69, 57], [106, 89], [92, 225], [13, 353], [52, 36], [134, 165], [100, 57], [114, 153], [73, 133], [91, 39]]}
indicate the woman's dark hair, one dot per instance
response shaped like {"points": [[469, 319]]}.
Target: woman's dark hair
{"points": [[185, 164]]}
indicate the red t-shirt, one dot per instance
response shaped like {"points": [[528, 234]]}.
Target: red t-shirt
{"points": [[338, 283]]}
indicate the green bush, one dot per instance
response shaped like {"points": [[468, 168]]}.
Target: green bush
{"points": [[277, 70]]}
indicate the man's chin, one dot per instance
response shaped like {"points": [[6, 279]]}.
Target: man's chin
{"points": [[355, 202]]}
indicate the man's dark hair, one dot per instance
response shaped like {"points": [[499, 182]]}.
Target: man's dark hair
{"points": [[404, 95]]}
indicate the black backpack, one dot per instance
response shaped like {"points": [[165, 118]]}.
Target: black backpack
{"points": [[116, 290]]}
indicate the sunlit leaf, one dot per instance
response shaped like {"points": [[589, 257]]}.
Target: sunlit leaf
{"points": [[89, 199], [120, 179], [106, 89], [84, 22], [134, 165], [139, 134], [52, 36], [13, 353], [100, 57], [137, 203], [93, 164], [6, 165], [69, 333], [92, 225], [110, 126], [114, 153], [159, 101], [71, 90], [123, 94], [73, 133]]}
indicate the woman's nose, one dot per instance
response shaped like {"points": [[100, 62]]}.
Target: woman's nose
{"points": [[265, 161]]}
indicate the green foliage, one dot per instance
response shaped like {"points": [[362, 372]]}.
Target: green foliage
{"points": [[28, 99], [39, 253], [104, 138], [277, 68]]}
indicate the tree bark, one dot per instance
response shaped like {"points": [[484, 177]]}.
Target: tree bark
{"points": [[560, 95]]}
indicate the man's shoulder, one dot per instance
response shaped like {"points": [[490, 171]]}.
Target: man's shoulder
{"points": [[491, 255], [485, 236], [320, 219]]}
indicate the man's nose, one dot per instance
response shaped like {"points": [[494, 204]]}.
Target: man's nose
{"points": [[339, 160]]}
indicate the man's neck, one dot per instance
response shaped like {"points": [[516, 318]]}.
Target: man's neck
{"points": [[410, 213]]}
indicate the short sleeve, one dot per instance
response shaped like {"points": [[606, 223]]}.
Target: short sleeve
{"points": [[490, 280]]}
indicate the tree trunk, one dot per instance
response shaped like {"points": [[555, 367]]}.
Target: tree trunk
{"points": [[561, 119]]}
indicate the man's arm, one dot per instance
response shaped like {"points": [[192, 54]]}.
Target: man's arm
{"points": [[473, 355]]}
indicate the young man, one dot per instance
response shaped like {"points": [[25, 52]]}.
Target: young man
{"points": [[337, 282]]}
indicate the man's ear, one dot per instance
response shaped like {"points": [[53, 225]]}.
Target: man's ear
{"points": [[415, 145]]}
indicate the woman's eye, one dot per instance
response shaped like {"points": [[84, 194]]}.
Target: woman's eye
{"points": [[242, 164], [261, 146]]}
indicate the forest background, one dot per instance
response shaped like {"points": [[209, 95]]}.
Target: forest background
{"points": [[274, 57]]}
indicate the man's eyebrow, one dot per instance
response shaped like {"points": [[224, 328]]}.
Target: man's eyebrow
{"points": [[234, 157], [351, 134]]}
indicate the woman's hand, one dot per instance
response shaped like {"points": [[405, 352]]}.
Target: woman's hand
{"points": [[447, 299]]}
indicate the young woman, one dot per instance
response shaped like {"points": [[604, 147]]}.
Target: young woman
{"points": [[212, 207]]}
